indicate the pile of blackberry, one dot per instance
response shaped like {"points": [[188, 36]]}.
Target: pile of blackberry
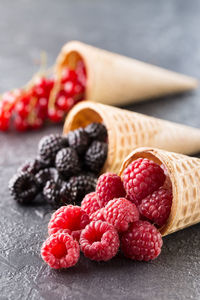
{"points": [[65, 169]]}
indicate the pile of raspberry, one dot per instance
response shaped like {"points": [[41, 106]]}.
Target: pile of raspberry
{"points": [[30, 108], [122, 214], [65, 169]]}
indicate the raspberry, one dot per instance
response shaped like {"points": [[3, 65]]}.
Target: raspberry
{"points": [[81, 185], [60, 251], [49, 146], [121, 213], [78, 140], [95, 156], [97, 131], [90, 203], [45, 175], [23, 187], [109, 186], [99, 241], [141, 178], [157, 206], [98, 215], [69, 217], [67, 162], [142, 241]]}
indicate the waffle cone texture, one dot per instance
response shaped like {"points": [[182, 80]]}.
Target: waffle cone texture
{"points": [[184, 173], [115, 79], [128, 130]]}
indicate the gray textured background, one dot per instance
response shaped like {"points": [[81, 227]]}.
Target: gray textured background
{"points": [[165, 33]]}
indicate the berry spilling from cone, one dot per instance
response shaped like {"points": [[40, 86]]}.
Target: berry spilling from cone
{"points": [[65, 169], [32, 106], [115, 213], [123, 214]]}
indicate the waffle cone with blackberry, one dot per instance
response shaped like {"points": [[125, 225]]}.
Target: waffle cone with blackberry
{"points": [[128, 130]]}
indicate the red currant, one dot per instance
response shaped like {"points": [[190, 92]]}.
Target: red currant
{"points": [[38, 122], [68, 75], [42, 107], [20, 123], [22, 106], [55, 115], [81, 72], [42, 87], [4, 120]]}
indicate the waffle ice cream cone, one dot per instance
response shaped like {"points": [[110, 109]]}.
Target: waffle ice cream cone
{"points": [[115, 79], [184, 173], [128, 130]]}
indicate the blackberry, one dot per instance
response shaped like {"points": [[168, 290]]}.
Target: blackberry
{"points": [[78, 140], [81, 185], [32, 166], [23, 187], [67, 162], [95, 156], [65, 141], [88, 182], [73, 189], [97, 131], [46, 174], [51, 192], [48, 147], [65, 195]]}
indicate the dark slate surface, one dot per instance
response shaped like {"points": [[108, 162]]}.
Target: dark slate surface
{"points": [[165, 33]]}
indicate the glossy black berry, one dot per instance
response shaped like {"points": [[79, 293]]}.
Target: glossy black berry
{"points": [[65, 141], [81, 185], [78, 140], [51, 192], [95, 156], [49, 146], [97, 131], [23, 187], [45, 175], [32, 166], [87, 183], [65, 194], [67, 162]]}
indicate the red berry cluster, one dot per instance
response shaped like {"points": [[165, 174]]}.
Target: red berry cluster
{"points": [[109, 217], [30, 107], [148, 186]]}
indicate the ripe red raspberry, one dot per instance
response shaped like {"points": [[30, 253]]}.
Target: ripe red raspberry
{"points": [[60, 250], [142, 241], [68, 217], [121, 213], [98, 215], [90, 203], [99, 241], [109, 186], [141, 178], [157, 206]]}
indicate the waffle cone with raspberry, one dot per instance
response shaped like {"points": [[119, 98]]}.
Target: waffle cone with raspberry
{"points": [[116, 79], [184, 173], [128, 130]]}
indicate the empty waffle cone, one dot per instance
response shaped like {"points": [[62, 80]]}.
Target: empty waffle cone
{"points": [[115, 79], [128, 130], [184, 173]]}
